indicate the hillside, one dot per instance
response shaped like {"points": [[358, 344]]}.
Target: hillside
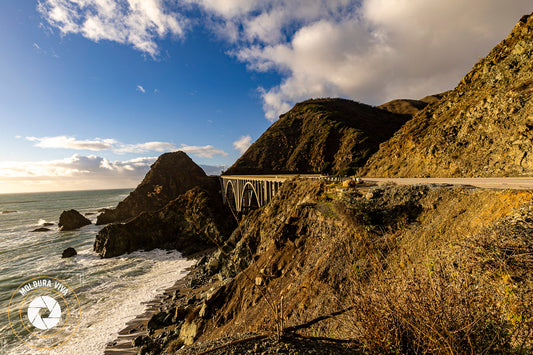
{"points": [[409, 106], [364, 268], [484, 127], [320, 136]]}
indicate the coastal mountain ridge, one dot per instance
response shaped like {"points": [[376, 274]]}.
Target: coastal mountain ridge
{"points": [[482, 128], [329, 136]]}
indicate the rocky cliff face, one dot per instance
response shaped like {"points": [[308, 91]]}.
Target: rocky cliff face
{"points": [[484, 127], [193, 222], [370, 266], [320, 136], [170, 176]]}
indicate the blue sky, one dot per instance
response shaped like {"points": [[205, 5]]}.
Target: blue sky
{"points": [[91, 91]]}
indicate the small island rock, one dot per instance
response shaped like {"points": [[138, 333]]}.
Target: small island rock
{"points": [[42, 229], [68, 253], [72, 219]]}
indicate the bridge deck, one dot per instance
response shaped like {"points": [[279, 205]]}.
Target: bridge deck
{"points": [[263, 187]]}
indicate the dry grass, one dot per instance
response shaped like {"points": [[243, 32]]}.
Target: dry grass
{"points": [[474, 298]]}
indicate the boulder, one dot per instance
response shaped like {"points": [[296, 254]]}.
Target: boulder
{"points": [[72, 219], [68, 253], [170, 176], [42, 229]]}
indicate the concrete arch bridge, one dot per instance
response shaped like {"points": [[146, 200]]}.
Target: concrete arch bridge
{"points": [[244, 193]]}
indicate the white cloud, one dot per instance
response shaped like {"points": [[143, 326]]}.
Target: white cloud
{"points": [[76, 172], [141, 89], [378, 51], [72, 143], [206, 151], [370, 50], [98, 144], [243, 143], [139, 23]]}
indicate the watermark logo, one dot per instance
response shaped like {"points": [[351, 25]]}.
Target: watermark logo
{"points": [[44, 312]]}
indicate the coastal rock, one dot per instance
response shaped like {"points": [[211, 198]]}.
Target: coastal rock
{"points": [[41, 229], [6, 212], [331, 136], [483, 128], [72, 219], [68, 253], [170, 176], [194, 221], [47, 224]]}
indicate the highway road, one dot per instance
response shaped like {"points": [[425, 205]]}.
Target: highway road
{"points": [[515, 183]]}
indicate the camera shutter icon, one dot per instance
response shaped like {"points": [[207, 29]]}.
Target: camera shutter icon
{"points": [[54, 310]]}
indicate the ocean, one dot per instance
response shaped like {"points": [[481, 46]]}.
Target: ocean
{"points": [[110, 292]]}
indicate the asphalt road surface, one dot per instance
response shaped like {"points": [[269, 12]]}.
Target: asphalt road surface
{"points": [[515, 183]]}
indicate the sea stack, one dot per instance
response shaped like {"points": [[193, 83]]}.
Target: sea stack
{"points": [[170, 176], [72, 219]]}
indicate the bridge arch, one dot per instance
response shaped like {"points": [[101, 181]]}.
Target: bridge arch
{"points": [[231, 196], [249, 198]]}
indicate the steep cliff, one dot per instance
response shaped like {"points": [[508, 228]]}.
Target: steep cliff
{"points": [[319, 136], [484, 127], [193, 222], [170, 176]]}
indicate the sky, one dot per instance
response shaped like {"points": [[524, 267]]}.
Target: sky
{"points": [[93, 91]]}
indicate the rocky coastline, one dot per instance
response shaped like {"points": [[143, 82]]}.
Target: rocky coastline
{"points": [[290, 273]]}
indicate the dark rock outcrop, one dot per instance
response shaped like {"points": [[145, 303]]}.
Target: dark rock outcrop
{"points": [[47, 224], [194, 221], [170, 176], [333, 136], [72, 219], [483, 128], [68, 253], [41, 229]]}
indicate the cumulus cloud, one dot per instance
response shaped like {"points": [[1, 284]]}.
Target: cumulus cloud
{"points": [[76, 172], [374, 52], [368, 50], [243, 143], [98, 144], [72, 143], [139, 23], [74, 166]]}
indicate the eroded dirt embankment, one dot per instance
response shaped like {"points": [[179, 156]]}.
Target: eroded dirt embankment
{"points": [[385, 269]]}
